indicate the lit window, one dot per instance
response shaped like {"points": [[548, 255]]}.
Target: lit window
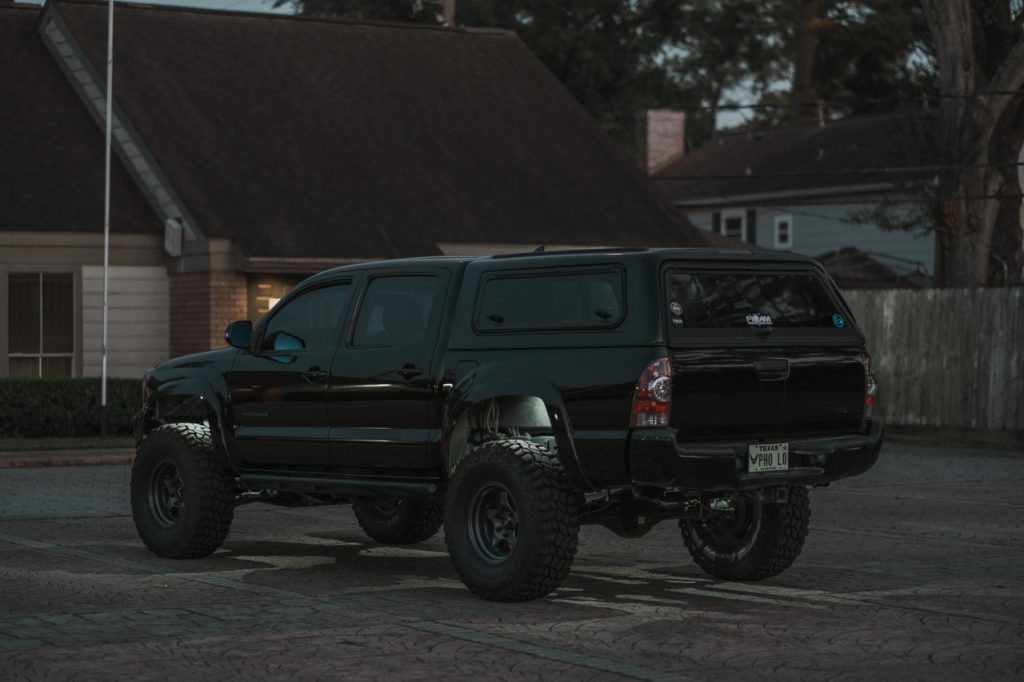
{"points": [[41, 314], [783, 232]]}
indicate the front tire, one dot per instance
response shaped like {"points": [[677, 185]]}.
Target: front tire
{"points": [[182, 499], [399, 520], [756, 541], [512, 521]]}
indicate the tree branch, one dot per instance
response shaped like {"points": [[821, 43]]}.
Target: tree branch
{"points": [[1010, 76]]}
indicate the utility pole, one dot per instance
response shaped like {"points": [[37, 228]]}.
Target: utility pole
{"points": [[106, 219]]}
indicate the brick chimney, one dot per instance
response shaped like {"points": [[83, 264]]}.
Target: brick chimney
{"points": [[660, 137]]}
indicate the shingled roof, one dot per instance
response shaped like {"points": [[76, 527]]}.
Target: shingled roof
{"points": [[51, 151], [298, 137], [855, 152]]}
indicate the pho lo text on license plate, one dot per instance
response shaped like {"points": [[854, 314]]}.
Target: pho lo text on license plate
{"points": [[768, 457]]}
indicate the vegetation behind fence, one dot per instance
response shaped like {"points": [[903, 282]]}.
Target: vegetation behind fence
{"points": [[947, 357]]}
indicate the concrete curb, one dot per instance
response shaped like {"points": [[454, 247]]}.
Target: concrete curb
{"points": [[66, 458]]}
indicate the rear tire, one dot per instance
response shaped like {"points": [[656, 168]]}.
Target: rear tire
{"points": [[399, 520], [755, 542], [182, 499], [512, 521]]}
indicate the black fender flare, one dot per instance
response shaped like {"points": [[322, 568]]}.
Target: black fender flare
{"points": [[495, 382], [187, 400]]}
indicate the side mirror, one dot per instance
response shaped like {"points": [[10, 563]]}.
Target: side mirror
{"points": [[239, 334]]}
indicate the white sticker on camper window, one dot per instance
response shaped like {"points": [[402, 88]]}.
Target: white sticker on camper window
{"points": [[758, 320]]}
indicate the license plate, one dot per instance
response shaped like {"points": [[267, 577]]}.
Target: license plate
{"points": [[767, 457]]}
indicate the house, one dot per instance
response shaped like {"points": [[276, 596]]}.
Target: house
{"points": [[816, 189], [254, 150]]}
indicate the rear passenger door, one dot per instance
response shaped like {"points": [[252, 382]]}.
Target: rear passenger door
{"points": [[382, 389]]}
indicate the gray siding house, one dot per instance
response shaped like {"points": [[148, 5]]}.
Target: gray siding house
{"points": [[812, 189]]}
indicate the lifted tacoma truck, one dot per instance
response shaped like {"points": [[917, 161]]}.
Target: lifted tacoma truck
{"points": [[514, 398]]}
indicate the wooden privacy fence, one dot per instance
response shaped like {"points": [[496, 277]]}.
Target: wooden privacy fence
{"points": [[946, 357]]}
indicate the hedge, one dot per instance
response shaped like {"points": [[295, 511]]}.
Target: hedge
{"points": [[37, 408]]}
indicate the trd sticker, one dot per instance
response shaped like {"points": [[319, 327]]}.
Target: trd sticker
{"points": [[758, 320], [838, 321]]}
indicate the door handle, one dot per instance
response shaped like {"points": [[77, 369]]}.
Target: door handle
{"points": [[315, 375], [772, 370], [409, 371]]}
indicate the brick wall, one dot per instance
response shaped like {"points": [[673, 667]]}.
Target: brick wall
{"points": [[202, 305]]}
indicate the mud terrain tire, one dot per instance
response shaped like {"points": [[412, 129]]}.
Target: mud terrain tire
{"points": [[182, 499], [511, 521]]}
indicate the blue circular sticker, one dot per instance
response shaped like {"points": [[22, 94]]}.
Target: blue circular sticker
{"points": [[838, 321]]}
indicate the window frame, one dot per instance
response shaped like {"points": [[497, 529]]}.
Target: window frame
{"points": [[75, 354], [260, 334], [740, 213], [435, 311], [788, 219], [524, 273]]}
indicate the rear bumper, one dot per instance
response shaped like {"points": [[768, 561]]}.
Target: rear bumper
{"points": [[657, 459]]}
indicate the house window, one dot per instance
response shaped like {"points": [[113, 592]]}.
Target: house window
{"points": [[41, 315], [735, 225], [265, 291], [783, 232]]}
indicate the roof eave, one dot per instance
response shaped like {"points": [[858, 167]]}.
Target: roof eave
{"points": [[726, 200]]}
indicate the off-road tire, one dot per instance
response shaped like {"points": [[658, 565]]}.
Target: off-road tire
{"points": [[764, 545], [545, 527], [399, 520], [182, 499]]}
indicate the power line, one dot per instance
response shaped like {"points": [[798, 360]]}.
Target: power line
{"points": [[844, 172], [895, 99]]}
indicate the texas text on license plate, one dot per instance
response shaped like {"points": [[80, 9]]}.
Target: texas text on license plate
{"points": [[767, 457]]}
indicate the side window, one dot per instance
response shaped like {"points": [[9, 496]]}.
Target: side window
{"points": [[548, 301], [307, 321], [395, 311]]}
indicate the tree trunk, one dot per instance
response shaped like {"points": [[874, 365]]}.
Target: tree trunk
{"points": [[803, 94], [974, 128]]}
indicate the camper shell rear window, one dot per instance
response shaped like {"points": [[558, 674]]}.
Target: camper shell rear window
{"points": [[753, 302]]}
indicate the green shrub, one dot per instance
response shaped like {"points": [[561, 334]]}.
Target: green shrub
{"points": [[37, 408]]}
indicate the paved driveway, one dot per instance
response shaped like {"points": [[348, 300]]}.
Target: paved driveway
{"points": [[915, 571]]}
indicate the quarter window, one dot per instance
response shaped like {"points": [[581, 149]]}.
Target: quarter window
{"points": [[41, 336], [565, 300], [307, 322]]}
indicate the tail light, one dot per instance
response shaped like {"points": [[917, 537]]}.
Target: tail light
{"points": [[652, 400], [870, 389]]}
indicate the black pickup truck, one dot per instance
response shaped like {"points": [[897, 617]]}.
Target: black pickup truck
{"points": [[514, 398]]}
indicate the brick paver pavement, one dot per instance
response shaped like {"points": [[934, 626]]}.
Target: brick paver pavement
{"points": [[915, 571]]}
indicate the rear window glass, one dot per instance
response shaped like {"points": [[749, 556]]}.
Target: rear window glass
{"points": [[570, 300], [715, 300]]}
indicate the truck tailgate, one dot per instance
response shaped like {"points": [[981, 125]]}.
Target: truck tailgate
{"points": [[767, 392]]}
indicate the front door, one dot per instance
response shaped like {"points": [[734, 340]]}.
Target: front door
{"points": [[382, 391], [279, 387]]}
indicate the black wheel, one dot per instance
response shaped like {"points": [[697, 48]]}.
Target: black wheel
{"points": [[511, 521], [399, 520], [754, 541], [182, 499]]}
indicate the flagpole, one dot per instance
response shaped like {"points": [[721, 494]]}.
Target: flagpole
{"points": [[106, 218]]}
